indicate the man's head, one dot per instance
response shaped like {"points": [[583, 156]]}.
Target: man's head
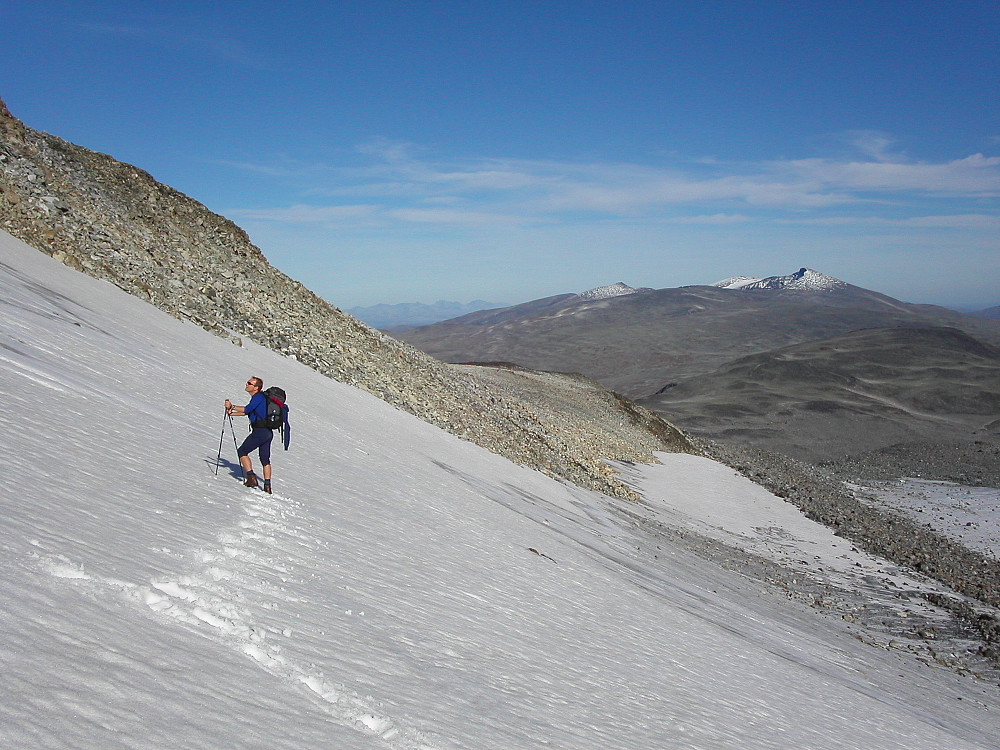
{"points": [[254, 385]]}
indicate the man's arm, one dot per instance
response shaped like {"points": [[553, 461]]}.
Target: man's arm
{"points": [[235, 411]]}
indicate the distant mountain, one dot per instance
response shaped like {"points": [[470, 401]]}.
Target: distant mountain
{"points": [[411, 314], [990, 312], [805, 279], [820, 400], [402, 317], [639, 342], [611, 290]]}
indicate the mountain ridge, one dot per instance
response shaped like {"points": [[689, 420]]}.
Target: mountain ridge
{"points": [[989, 312], [638, 343], [803, 279], [680, 351]]}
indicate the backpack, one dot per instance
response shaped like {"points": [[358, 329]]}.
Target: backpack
{"points": [[277, 414]]}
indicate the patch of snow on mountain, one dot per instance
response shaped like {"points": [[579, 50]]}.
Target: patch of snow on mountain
{"points": [[736, 282], [606, 292], [805, 279]]}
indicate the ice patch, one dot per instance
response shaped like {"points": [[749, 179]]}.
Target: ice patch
{"points": [[617, 289], [68, 571], [377, 724]]}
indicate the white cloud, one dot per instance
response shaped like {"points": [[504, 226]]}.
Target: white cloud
{"points": [[303, 214], [402, 185], [973, 176], [944, 221], [453, 216], [713, 219]]}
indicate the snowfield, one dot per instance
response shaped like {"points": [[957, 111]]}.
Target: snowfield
{"points": [[402, 588]]}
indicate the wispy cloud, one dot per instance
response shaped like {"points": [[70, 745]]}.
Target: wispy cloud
{"points": [[711, 220], [944, 221], [453, 216], [872, 144], [402, 183], [975, 176], [305, 214]]}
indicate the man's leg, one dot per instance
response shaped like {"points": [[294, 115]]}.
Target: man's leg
{"points": [[243, 452], [264, 451]]}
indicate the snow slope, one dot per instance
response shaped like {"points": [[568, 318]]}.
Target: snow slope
{"points": [[403, 588]]}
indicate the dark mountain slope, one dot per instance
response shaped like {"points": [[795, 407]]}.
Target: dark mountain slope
{"points": [[868, 389], [638, 343]]}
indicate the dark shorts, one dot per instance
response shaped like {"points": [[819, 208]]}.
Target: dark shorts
{"points": [[259, 440]]}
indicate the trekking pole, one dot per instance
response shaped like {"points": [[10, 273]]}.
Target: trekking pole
{"points": [[236, 445], [221, 438]]}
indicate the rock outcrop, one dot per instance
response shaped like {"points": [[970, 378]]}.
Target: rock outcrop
{"points": [[113, 221]]}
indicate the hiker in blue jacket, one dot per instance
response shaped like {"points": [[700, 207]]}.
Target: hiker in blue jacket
{"points": [[259, 438]]}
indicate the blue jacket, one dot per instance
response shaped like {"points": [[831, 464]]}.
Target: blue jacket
{"points": [[256, 410]]}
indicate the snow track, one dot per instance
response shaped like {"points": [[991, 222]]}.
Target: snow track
{"points": [[230, 584]]}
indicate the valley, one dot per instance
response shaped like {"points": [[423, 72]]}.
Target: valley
{"points": [[811, 366]]}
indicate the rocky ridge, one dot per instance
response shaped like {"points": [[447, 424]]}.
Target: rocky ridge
{"points": [[113, 221]]}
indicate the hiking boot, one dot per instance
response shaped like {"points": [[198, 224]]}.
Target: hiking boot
{"points": [[251, 480], [267, 486]]}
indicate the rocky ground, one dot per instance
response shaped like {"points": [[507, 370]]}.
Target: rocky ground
{"points": [[971, 631], [939, 629], [974, 463], [566, 399]]}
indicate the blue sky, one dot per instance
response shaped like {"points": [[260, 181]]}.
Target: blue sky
{"points": [[416, 151]]}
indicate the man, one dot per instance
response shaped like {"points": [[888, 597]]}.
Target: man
{"points": [[259, 438]]}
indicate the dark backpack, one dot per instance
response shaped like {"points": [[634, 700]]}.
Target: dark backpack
{"points": [[277, 414]]}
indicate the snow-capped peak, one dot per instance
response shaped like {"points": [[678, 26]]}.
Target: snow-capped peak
{"points": [[611, 290], [803, 279], [736, 282]]}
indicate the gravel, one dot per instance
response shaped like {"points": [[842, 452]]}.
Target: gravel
{"points": [[975, 463], [821, 494]]}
